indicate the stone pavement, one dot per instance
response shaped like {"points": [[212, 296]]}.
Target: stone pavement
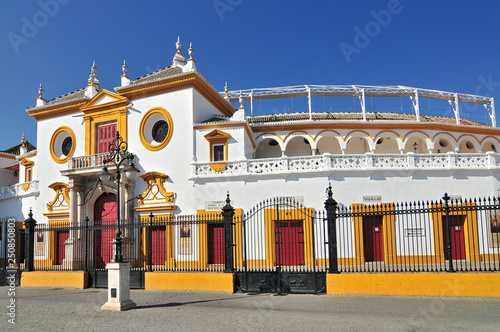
{"points": [[67, 309]]}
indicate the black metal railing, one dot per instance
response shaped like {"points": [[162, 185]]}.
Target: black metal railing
{"points": [[282, 235]]}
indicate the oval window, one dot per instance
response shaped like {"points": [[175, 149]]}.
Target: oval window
{"points": [[160, 131], [67, 145]]}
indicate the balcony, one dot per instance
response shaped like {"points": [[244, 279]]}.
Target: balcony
{"points": [[20, 190], [349, 163]]}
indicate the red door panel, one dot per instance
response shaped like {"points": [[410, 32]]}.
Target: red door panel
{"points": [[373, 238], [215, 241], [158, 239], [290, 242], [457, 237], [61, 237], [105, 220], [105, 135]]}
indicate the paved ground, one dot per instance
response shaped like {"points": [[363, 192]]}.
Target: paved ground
{"points": [[66, 309]]}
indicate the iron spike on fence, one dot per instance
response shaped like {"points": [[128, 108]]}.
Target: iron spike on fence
{"points": [[331, 211]]}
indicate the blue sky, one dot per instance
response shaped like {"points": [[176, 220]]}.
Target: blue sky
{"points": [[444, 45]]}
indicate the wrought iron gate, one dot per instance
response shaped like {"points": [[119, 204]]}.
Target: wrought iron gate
{"points": [[282, 248]]}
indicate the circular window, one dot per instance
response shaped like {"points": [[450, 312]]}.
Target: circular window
{"points": [[443, 143], [156, 129], [62, 144], [67, 145], [469, 145], [160, 130]]}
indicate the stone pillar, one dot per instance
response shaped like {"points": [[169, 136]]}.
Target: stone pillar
{"points": [[118, 288]]}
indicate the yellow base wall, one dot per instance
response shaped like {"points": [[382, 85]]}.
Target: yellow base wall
{"points": [[54, 279], [193, 281], [415, 284]]}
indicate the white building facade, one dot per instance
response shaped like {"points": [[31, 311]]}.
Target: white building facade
{"points": [[192, 147]]}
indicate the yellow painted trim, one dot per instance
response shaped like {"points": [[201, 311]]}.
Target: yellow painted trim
{"points": [[443, 133], [387, 131], [145, 119], [488, 137], [60, 188], [387, 212], [471, 239], [218, 167], [53, 140], [166, 221], [230, 125], [469, 135], [203, 233], [57, 110], [304, 215], [150, 208], [217, 137], [91, 106], [380, 126], [269, 133], [191, 80], [56, 214], [155, 180], [190, 281], [74, 279], [416, 131], [349, 135], [330, 131], [298, 131], [26, 162], [415, 284], [25, 186]]}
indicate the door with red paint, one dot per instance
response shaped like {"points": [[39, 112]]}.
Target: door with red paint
{"points": [[290, 242], [373, 238], [158, 241], [215, 243], [61, 237], [105, 135], [457, 237], [105, 222]]}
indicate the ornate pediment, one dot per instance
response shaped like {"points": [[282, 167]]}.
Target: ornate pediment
{"points": [[156, 196], [61, 199]]}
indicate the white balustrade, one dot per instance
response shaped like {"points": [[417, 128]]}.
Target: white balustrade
{"points": [[328, 163], [18, 190]]}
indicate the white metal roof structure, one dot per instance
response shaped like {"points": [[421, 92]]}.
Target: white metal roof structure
{"points": [[363, 91]]}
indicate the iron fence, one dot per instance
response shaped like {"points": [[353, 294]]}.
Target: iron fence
{"points": [[284, 236]]}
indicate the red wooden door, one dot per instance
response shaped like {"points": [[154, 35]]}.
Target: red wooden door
{"points": [[457, 237], [105, 135], [215, 241], [373, 238], [290, 242], [105, 221], [61, 237], [158, 245]]}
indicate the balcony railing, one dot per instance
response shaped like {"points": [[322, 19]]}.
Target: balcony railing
{"points": [[93, 160], [366, 162], [20, 190]]}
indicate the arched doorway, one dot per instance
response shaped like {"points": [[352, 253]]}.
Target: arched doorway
{"points": [[105, 225]]}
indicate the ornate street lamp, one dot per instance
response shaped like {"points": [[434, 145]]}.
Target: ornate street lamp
{"points": [[117, 155]]}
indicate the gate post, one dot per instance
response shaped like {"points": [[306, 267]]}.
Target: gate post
{"points": [[446, 198], [331, 216], [150, 243], [86, 243], [228, 213], [29, 223]]}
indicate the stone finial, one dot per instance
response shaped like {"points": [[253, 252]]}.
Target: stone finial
{"points": [[178, 60], [40, 101], [40, 90], [93, 83], [178, 45], [23, 149], [124, 77], [23, 140], [124, 67], [226, 90], [241, 100], [190, 66]]}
